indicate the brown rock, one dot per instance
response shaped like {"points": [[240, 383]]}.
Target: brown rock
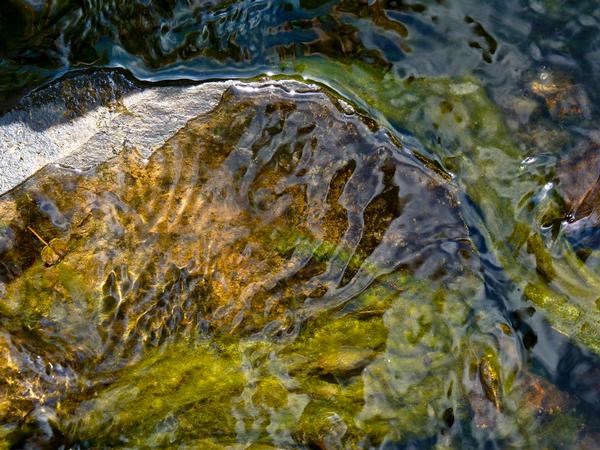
{"points": [[563, 98], [579, 183], [543, 396]]}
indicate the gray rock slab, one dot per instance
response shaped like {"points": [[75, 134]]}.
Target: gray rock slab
{"points": [[82, 121]]}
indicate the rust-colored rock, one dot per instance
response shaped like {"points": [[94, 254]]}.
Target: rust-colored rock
{"points": [[564, 99], [579, 183]]}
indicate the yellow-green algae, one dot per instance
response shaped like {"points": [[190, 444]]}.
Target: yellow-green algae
{"points": [[264, 392]]}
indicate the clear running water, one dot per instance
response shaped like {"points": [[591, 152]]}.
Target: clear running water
{"points": [[287, 273]]}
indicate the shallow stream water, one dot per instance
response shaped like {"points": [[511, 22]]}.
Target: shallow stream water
{"points": [[400, 252]]}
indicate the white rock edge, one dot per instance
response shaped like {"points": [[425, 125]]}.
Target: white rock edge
{"points": [[149, 118]]}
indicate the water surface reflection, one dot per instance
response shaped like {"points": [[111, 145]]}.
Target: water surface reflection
{"points": [[357, 289]]}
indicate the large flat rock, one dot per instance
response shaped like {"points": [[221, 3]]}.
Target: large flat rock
{"points": [[87, 119], [277, 218]]}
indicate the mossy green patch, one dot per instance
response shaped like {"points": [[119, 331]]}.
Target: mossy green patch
{"points": [[179, 392], [464, 132]]}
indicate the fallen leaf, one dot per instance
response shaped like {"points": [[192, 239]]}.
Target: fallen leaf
{"points": [[54, 251]]}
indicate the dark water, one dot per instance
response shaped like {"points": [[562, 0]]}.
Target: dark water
{"points": [[425, 276], [498, 41]]}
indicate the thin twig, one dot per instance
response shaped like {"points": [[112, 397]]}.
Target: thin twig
{"points": [[39, 237]]}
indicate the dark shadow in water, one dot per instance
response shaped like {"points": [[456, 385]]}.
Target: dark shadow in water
{"points": [[499, 40], [572, 368]]}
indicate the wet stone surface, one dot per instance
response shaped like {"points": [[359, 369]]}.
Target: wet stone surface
{"points": [[87, 118], [278, 273]]}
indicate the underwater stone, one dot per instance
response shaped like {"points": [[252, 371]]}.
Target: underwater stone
{"points": [[578, 183], [564, 99], [279, 220], [278, 271]]}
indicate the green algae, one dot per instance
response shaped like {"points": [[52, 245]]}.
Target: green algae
{"points": [[184, 384], [569, 319], [261, 392], [196, 387], [465, 133], [189, 391]]}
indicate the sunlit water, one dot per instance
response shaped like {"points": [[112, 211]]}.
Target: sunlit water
{"points": [[286, 273]]}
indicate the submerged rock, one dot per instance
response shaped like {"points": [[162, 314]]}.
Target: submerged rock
{"points": [[278, 271], [272, 210], [579, 185], [564, 99]]}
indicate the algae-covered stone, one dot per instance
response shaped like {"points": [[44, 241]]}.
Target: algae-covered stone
{"points": [[345, 360], [564, 99], [177, 393], [231, 281], [279, 273], [464, 131]]}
